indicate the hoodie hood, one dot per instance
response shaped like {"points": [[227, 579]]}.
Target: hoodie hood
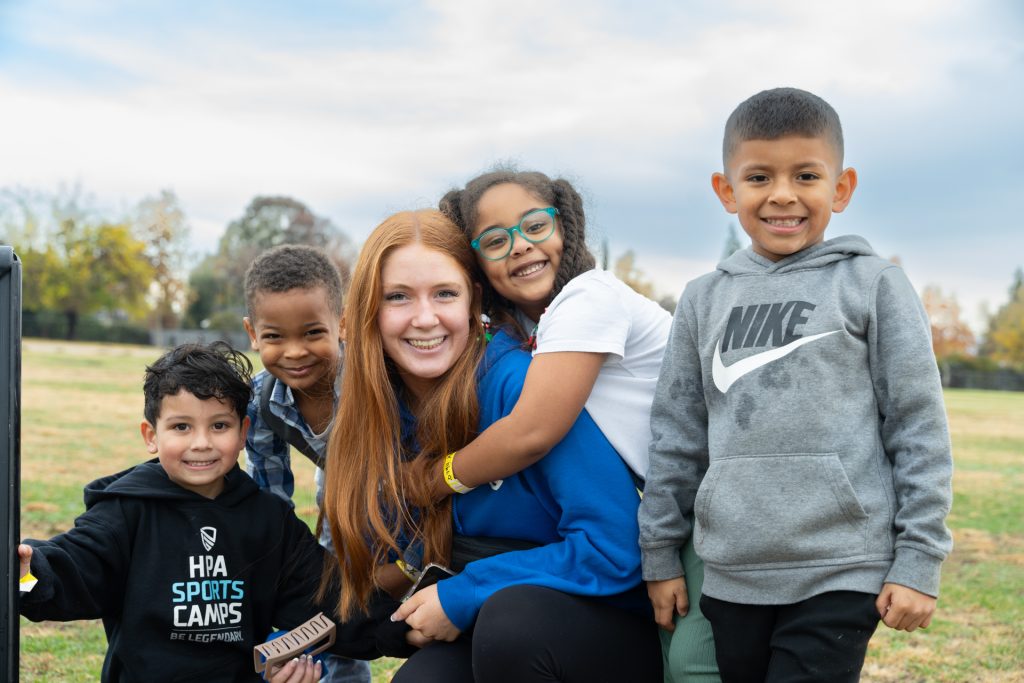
{"points": [[149, 480], [746, 261]]}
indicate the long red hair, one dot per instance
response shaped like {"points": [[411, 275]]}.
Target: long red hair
{"points": [[364, 504]]}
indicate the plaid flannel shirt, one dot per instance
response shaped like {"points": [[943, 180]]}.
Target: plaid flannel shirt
{"points": [[268, 456]]}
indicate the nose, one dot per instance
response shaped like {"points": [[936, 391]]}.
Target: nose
{"points": [[782, 192], [425, 316], [200, 440], [294, 349], [520, 245]]}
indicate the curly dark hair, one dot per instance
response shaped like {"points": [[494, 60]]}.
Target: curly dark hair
{"points": [[779, 112], [461, 205], [292, 266], [205, 371]]}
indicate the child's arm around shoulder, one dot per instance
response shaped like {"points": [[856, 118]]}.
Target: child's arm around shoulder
{"points": [[556, 388]]}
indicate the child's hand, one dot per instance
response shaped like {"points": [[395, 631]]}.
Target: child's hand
{"points": [[668, 598], [299, 670], [25, 558], [417, 639], [423, 612], [903, 608]]}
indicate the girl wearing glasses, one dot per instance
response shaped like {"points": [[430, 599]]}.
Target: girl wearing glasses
{"points": [[569, 603], [596, 344]]}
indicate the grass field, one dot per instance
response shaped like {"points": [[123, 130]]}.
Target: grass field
{"points": [[82, 405]]}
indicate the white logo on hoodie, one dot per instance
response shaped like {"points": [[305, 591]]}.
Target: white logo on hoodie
{"points": [[725, 376], [209, 536]]}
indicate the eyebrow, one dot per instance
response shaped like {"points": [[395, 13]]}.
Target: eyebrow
{"points": [[754, 165], [278, 327], [521, 217], [437, 285]]}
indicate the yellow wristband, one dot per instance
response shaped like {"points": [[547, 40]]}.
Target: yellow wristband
{"points": [[411, 573], [449, 476]]}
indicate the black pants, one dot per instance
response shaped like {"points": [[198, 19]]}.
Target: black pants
{"points": [[527, 633], [823, 638]]}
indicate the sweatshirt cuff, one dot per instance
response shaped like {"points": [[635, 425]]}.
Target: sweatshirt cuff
{"points": [[915, 569], [390, 639], [660, 564]]}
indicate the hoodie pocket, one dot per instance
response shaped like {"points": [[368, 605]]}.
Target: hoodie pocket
{"points": [[770, 509]]}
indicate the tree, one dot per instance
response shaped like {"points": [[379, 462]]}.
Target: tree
{"points": [[950, 334], [161, 224], [74, 261], [732, 242], [626, 270], [87, 268], [1004, 340], [218, 282]]}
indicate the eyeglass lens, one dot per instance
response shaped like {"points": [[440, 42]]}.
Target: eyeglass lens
{"points": [[535, 227]]}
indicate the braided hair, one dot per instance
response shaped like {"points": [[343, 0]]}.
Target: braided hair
{"points": [[461, 207]]}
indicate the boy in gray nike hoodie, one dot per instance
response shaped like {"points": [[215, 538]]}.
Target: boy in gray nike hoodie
{"points": [[798, 429]]}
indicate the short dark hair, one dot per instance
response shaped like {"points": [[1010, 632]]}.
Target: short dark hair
{"points": [[776, 113], [460, 206], [205, 371], [292, 266]]}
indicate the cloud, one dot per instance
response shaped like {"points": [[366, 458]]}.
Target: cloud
{"points": [[359, 108]]}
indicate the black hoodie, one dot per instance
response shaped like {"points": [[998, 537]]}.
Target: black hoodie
{"points": [[185, 585]]}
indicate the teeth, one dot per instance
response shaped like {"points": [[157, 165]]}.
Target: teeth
{"points": [[784, 222], [530, 269], [426, 343], [200, 463]]}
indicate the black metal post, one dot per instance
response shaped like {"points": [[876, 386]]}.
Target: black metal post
{"points": [[10, 455]]}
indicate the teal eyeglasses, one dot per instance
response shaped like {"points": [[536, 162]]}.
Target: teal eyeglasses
{"points": [[496, 243]]}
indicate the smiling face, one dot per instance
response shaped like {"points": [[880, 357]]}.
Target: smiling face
{"points": [[527, 276], [424, 313], [784, 192], [196, 440], [297, 336]]}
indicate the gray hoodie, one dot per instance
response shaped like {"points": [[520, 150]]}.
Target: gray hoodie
{"points": [[799, 431]]}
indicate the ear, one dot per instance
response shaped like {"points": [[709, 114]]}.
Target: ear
{"points": [[341, 328], [149, 436], [845, 186], [251, 332], [723, 188], [245, 428]]}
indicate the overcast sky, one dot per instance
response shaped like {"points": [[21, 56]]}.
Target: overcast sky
{"points": [[363, 107]]}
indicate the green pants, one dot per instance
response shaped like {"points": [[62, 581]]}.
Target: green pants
{"points": [[689, 651]]}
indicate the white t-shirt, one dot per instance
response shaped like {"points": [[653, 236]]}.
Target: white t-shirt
{"points": [[598, 313]]}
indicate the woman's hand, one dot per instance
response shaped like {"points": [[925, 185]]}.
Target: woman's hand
{"points": [[302, 669], [423, 613]]}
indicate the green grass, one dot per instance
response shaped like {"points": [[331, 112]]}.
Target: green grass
{"points": [[81, 412]]}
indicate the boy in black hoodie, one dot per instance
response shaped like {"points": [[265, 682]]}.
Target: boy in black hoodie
{"points": [[186, 561]]}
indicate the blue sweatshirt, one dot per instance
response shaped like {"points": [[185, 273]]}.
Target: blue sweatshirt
{"points": [[579, 501]]}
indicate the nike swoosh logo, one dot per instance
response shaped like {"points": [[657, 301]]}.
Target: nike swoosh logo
{"points": [[725, 377]]}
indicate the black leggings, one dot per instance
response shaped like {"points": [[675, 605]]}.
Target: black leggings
{"points": [[527, 633]]}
